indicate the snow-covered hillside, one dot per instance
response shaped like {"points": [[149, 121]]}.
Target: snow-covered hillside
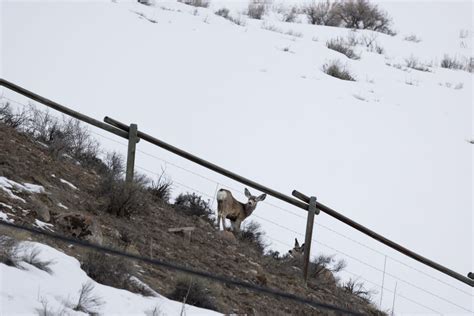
{"points": [[388, 150], [32, 291]]}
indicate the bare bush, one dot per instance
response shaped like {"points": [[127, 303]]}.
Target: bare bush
{"points": [[257, 8], [361, 14], [197, 3], [9, 252], [414, 63], [326, 263], [63, 137], [322, 13], [253, 233], [119, 197], [454, 63], [12, 118], [88, 302], [223, 12], [192, 204], [160, 190], [106, 269], [124, 199], [31, 255], [412, 38], [341, 46], [335, 69], [290, 14], [193, 292], [355, 287]]}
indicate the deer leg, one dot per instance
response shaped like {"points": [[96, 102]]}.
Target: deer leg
{"points": [[218, 221], [236, 225]]}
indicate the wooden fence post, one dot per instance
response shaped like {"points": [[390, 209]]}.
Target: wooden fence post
{"points": [[309, 237], [132, 145]]}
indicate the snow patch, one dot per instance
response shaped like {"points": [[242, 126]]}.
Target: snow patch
{"points": [[43, 225], [72, 186], [23, 291], [4, 217], [10, 186], [6, 206], [63, 206]]}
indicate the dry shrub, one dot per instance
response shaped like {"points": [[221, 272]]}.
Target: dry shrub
{"points": [[357, 288], [252, 233], [161, 189], [354, 14], [106, 269], [119, 197], [414, 63], [9, 251], [322, 13], [88, 303], [454, 63], [341, 46], [197, 3], [361, 14], [335, 69], [12, 118], [192, 204], [193, 292], [257, 8], [31, 255], [223, 12]]}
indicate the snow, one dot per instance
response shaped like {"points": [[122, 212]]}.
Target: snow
{"points": [[22, 291], [388, 150], [6, 206], [63, 206], [33, 188], [72, 186], [43, 225], [4, 217]]}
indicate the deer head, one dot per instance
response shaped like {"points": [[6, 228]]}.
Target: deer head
{"points": [[252, 201], [297, 250]]}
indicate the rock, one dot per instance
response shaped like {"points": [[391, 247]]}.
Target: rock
{"points": [[41, 210], [81, 226], [229, 236], [328, 278]]}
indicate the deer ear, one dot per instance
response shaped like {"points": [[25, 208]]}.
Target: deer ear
{"points": [[247, 193], [297, 244], [302, 246], [261, 197]]}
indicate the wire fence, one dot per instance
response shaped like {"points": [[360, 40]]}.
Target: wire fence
{"points": [[217, 184]]}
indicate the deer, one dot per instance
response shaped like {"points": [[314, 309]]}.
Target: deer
{"points": [[297, 251], [235, 211]]}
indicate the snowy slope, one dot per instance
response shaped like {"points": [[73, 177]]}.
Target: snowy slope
{"points": [[29, 291], [388, 150]]}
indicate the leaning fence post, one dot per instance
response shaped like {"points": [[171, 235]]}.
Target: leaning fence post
{"points": [[132, 144], [309, 237]]}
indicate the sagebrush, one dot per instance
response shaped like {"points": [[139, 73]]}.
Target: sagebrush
{"points": [[336, 69]]}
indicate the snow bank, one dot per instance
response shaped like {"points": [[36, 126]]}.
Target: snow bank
{"points": [[24, 292]]}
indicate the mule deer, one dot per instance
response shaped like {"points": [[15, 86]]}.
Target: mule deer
{"points": [[297, 250], [229, 207]]}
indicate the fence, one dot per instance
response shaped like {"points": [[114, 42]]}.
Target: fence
{"points": [[309, 204]]}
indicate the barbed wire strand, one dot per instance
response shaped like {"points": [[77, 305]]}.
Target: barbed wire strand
{"points": [[180, 268]]}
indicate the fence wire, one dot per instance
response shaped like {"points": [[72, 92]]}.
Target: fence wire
{"points": [[180, 268]]}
